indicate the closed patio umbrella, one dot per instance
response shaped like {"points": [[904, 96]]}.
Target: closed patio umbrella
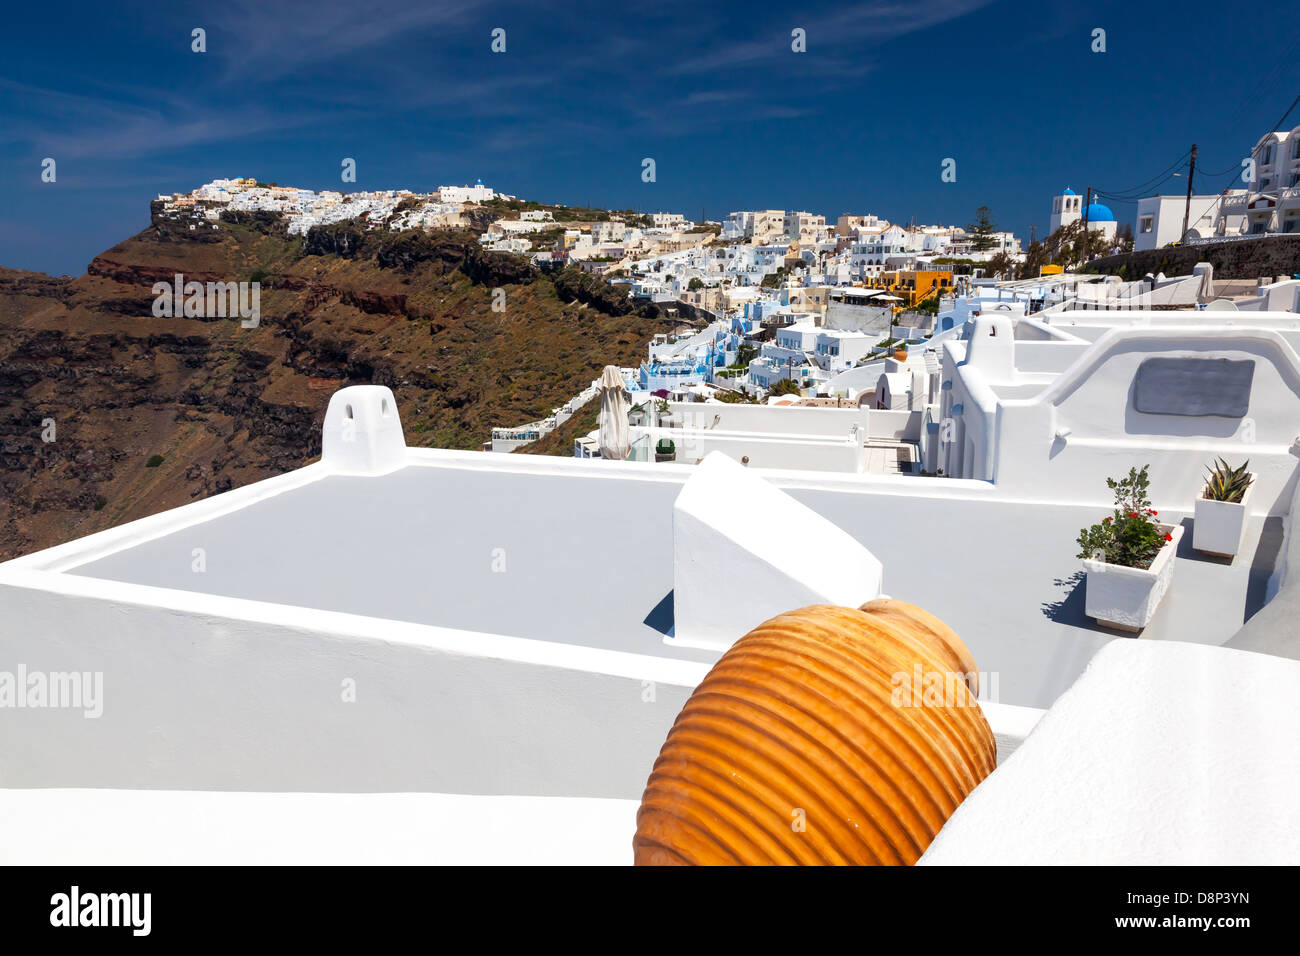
{"points": [[614, 439]]}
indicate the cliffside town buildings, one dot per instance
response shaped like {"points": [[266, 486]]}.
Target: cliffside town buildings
{"points": [[853, 311], [304, 208]]}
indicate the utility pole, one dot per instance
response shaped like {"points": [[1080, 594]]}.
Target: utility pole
{"points": [[1187, 207], [1087, 204]]}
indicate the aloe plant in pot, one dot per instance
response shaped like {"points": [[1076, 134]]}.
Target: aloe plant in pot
{"points": [[1222, 509], [1128, 557]]}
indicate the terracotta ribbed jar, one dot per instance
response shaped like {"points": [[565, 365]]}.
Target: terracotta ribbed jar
{"points": [[803, 744]]}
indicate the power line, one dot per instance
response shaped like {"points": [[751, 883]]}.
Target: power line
{"points": [[1139, 194], [1160, 178], [1279, 123], [1223, 172], [1155, 182], [1266, 81], [1231, 171]]}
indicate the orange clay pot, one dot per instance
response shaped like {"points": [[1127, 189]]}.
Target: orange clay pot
{"points": [[797, 747]]}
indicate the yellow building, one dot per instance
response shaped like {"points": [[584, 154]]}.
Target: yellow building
{"points": [[913, 286]]}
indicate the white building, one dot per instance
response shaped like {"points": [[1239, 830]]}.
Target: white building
{"points": [[1068, 208], [1160, 219], [476, 193], [1269, 204], [759, 226], [668, 220], [870, 257], [839, 349], [848, 226], [804, 227], [1030, 403], [612, 231], [1273, 203]]}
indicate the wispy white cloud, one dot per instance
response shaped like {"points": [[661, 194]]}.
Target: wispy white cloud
{"points": [[260, 41], [835, 40], [312, 65], [73, 126]]}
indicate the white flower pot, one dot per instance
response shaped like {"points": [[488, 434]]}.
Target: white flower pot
{"points": [[1126, 598], [1220, 525]]}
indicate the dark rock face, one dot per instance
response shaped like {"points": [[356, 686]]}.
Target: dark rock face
{"points": [[92, 384], [33, 284], [342, 239], [270, 223], [498, 268], [1239, 259], [375, 303], [573, 283], [407, 250]]}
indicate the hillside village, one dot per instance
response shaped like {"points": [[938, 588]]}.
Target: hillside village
{"points": [[783, 306]]}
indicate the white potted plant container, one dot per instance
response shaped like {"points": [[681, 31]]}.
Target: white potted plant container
{"points": [[1222, 509], [1128, 558], [1127, 598]]}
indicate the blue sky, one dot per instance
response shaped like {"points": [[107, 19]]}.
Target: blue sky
{"points": [[734, 119]]}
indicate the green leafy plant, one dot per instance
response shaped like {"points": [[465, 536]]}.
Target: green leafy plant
{"points": [[1226, 483], [154, 461], [1130, 537], [665, 446]]}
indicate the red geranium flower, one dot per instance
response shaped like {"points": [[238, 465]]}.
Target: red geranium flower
{"points": [[1169, 537]]}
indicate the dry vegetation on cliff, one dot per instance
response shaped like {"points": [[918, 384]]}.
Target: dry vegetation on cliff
{"points": [[225, 405]]}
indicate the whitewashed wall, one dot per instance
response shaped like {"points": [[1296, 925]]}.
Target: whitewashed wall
{"points": [[203, 692], [771, 419], [762, 450]]}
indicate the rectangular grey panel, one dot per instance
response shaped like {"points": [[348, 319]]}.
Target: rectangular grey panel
{"points": [[1194, 386]]}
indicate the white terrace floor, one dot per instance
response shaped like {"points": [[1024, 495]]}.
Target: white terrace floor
{"points": [[582, 552]]}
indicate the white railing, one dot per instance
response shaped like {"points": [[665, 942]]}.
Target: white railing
{"points": [[1210, 240], [532, 431]]}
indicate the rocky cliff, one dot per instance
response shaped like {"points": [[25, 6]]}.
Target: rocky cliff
{"points": [[108, 413], [1239, 259]]}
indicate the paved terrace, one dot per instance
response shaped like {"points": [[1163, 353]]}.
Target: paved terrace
{"points": [[581, 552]]}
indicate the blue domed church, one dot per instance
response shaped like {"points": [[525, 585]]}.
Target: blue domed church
{"points": [[1068, 207]]}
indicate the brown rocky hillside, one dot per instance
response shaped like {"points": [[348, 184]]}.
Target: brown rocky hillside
{"points": [[224, 406]]}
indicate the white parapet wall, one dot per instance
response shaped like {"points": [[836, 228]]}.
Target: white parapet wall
{"points": [[69, 827], [759, 450], [794, 421], [201, 692], [1040, 435], [1162, 753], [733, 530], [1085, 427]]}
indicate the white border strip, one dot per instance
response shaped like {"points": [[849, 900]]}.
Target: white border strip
{"points": [[452, 641]]}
